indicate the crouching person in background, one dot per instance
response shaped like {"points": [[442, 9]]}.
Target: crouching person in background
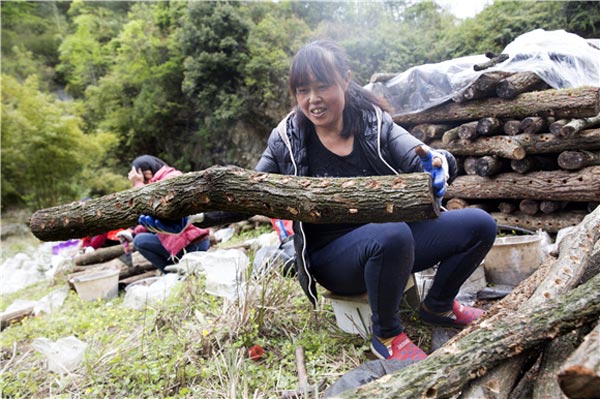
{"points": [[163, 249]]}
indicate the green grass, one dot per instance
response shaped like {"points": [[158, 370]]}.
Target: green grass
{"points": [[193, 345]]}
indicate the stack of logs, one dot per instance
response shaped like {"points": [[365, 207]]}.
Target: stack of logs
{"points": [[527, 154]]}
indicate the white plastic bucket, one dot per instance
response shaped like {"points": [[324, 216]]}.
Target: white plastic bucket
{"points": [[101, 284], [513, 258]]}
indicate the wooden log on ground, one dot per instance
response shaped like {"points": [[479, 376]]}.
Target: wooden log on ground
{"points": [[15, 316], [520, 82], [99, 255], [456, 203], [551, 223], [555, 353], [137, 277], [555, 185], [447, 370], [575, 160], [577, 125], [493, 60], [403, 197], [553, 279], [562, 103], [579, 376]]}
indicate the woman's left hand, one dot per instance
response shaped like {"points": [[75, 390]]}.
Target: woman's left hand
{"points": [[135, 176]]}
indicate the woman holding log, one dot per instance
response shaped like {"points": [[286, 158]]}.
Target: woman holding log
{"points": [[163, 249], [338, 129]]}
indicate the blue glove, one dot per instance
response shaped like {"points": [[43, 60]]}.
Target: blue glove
{"points": [[439, 174], [156, 225]]}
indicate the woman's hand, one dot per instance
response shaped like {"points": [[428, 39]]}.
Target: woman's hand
{"points": [[135, 176]]}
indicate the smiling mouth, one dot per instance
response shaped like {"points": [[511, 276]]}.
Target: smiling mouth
{"points": [[317, 111]]}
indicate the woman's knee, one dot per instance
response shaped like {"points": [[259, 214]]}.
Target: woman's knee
{"points": [[481, 224], [393, 236]]}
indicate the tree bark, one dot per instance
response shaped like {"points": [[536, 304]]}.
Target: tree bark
{"points": [[555, 353], [551, 223], [448, 369], [562, 103], [468, 131], [507, 207], [512, 127], [520, 82], [579, 376], [427, 132], [577, 125], [517, 147], [552, 206], [575, 160], [489, 126], [529, 207], [406, 197], [533, 163], [489, 165], [484, 86], [556, 126], [533, 124], [555, 185]]}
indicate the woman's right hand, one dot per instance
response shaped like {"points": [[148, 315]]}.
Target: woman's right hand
{"points": [[135, 176]]}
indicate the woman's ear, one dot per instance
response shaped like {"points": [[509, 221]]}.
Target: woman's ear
{"points": [[347, 79]]}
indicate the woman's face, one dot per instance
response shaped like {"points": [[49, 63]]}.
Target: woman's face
{"points": [[323, 103]]}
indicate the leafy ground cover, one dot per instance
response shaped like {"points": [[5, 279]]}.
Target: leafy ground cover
{"points": [[193, 345]]}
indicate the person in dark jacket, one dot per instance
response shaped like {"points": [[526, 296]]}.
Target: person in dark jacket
{"points": [[339, 129]]}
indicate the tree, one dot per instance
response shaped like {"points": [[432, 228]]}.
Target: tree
{"points": [[44, 151]]}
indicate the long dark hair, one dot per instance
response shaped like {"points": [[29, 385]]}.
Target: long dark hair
{"points": [[328, 63]]}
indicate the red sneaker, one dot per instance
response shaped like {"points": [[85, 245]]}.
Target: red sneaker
{"points": [[465, 314], [399, 347], [459, 317]]}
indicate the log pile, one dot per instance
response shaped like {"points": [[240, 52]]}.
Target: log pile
{"points": [[528, 154]]}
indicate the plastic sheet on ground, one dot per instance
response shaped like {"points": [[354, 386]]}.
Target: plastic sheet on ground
{"points": [[561, 59], [139, 295], [64, 355]]}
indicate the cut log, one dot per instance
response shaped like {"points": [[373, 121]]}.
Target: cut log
{"points": [[562, 103], [512, 127], [137, 277], [447, 370], [12, 317], [547, 143], [490, 165], [489, 126], [507, 207], [533, 124], [484, 86], [577, 125], [552, 206], [517, 147], [532, 163], [551, 223], [579, 376], [502, 146], [382, 77], [450, 135], [553, 279], [556, 126], [99, 255], [427, 132], [520, 82], [405, 197], [575, 160], [529, 207], [456, 203], [469, 165], [554, 355], [555, 185], [468, 131]]}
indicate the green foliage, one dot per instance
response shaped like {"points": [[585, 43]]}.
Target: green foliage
{"points": [[44, 150]]}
